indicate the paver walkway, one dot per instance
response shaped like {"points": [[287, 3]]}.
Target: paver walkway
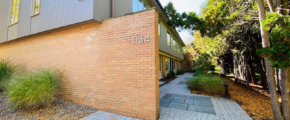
{"points": [[176, 103]]}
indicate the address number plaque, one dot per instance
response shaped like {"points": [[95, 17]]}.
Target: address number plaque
{"points": [[139, 39]]}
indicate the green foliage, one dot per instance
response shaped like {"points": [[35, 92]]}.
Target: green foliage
{"points": [[179, 72], [279, 51], [34, 89], [7, 69], [171, 74], [206, 82], [202, 62], [233, 15]]}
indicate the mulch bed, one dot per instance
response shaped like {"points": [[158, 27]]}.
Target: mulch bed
{"points": [[60, 109], [167, 80], [255, 102]]}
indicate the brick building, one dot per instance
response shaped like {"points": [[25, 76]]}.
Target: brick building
{"points": [[113, 52]]}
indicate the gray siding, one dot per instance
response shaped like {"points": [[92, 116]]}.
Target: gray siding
{"points": [[122, 7], [102, 9], [59, 13], [24, 18], [53, 14], [4, 7], [163, 43]]}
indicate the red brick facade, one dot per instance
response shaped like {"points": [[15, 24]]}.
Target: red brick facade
{"points": [[102, 68]]}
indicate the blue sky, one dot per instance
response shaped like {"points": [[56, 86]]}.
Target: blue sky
{"points": [[185, 6]]}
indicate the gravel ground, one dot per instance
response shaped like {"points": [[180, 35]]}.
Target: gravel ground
{"points": [[60, 109]]}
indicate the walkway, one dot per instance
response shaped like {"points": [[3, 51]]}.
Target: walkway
{"points": [[202, 108], [176, 103]]}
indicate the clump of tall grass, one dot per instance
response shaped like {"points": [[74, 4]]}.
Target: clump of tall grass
{"points": [[34, 89], [7, 69], [206, 82]]}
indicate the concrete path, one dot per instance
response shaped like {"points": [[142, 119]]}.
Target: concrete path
{"points": [[224, 109], [176, 103]]}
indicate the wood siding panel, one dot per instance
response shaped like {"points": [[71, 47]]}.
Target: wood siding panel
{"points": [[24, 18], [12, 32], [59, 13], [4, 16], [123, 7], [102, 10]]}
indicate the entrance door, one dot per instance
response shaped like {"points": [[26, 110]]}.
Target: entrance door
{"points": [[172, 64]]}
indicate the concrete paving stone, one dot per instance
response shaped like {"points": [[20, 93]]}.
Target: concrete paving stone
{"points": [[188, 101], [182, 82], [178, 106], [168, 96], [178, 101], [180, 97], [165, 100], [200, 98], [201, 109], [162, 104], [203, 103]]}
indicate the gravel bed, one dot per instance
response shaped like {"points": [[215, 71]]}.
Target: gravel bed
{"points": [[60, 109]]}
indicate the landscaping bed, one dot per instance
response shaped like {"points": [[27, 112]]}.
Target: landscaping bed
{"points": [[59, 109], [167, 80], [257, 104]]}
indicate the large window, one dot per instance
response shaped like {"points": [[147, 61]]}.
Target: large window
{"points": [[14, 11], [35, 7], [167, 63], [159, 28], [173, 44], [139, 5], [168, 39]]}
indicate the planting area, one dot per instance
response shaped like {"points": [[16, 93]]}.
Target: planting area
{"points": [[256, 104], [59, 109]]}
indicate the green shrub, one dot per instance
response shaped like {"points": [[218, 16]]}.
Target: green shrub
{"points": [[7, 69], [206, 82], [202, 62], [179, 72], [34, 89], [171, 74]]}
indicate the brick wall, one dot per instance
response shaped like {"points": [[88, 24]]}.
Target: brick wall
{"points": [[102, 68]]}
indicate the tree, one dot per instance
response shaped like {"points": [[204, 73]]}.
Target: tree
{"points": [[269, 69], [253, 37]]}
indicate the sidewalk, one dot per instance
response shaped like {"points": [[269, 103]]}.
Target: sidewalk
{"points": [[176, 103]]}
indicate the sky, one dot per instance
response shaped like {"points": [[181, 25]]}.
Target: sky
{"points": [[185, 6]]}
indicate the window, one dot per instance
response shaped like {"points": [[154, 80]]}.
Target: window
{"points": [[173, 44], [159, 28], [168, 39], [179, 65], [177, 47], [139, 5], [14, 11], [171, 41], [167, 63], [35, 7]]}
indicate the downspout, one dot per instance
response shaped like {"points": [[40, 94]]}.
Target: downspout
{"points": [[112, 8]]}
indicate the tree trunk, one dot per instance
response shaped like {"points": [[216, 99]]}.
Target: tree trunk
{"points": [[252, 71], [285, 6], [284, 73], [271, 6], [262, 70], [270, 72], [277, 80], [285, 93]]}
